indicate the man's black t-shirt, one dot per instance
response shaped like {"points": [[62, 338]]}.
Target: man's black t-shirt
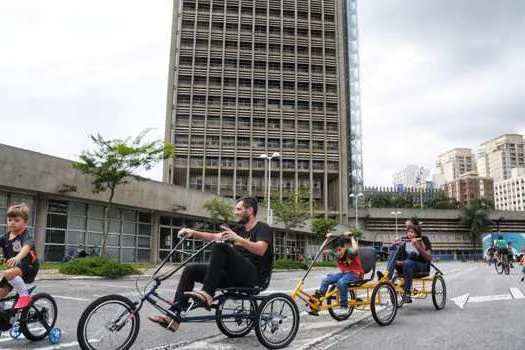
{"points": [[12, 247], [260, 232]]}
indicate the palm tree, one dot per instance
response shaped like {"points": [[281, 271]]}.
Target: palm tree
{"points": [[475, 215]]}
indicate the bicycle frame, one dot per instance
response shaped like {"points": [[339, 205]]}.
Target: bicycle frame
{"points": [[157, 301]]}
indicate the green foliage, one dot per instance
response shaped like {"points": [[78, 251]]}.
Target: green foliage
{"points": [[97, 266], [218, 210], [442, 202], [292, 211], [357, 232], [475, 215], [286, 264], [115, 162], [322, 225]]}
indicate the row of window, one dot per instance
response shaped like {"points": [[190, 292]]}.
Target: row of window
{"points": [[292, 32], [216, 141], [275, 48], [229, 162], [256, 103], [234, 9], [277, 66], [183, 120]]}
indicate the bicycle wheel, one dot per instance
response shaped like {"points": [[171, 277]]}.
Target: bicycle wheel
{"points": [[108, 323], [337, 313], [439, 292], [235, 316], [277, 321], [39, 317], [398, 283], [499, 266], [506, 268], [384, 304]]}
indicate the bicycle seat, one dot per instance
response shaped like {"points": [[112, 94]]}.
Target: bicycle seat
{"points": [[249, 290]]}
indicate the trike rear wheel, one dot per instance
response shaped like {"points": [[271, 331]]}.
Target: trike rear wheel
{"points": [[108, 323], [439, 292], [235, 316], [277, 321], [383, 304], [39, 317]]}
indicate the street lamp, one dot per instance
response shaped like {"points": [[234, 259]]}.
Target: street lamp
{"points": [[396, 213], [356, 198], [269, 216]]}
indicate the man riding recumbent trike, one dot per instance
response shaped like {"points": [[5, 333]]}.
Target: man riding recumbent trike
{"points": [[352, 288], [409, 269], [239, 270]]}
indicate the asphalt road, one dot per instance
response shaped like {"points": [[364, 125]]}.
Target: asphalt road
{"points": [[488, 316]]}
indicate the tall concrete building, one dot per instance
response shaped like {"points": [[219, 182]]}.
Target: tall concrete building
{"points": [[450, 165], [470, 186], [498, 156], [248, 77]]}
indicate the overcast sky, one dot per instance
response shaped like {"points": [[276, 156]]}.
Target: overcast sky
{"points": [[434, 74]]}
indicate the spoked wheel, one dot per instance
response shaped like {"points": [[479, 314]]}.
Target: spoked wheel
{"points": [[506, 268], [108, 323], [398, 283], [39, 317], [439, 292], [277, 321], [384, 304], [499, 266], [337, 313], [235, 316]]}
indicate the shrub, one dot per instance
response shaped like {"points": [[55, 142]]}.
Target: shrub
{"points": [[97, 266], [292, 264]]}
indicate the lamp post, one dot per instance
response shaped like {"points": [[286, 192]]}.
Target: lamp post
{"points": [[356, 196], [396, 213], [269, 216]]}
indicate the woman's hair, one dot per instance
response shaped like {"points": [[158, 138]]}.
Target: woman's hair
{"points": [[415, 227], [19, 211]]}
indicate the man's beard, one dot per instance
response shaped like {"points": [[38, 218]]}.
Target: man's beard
{"points": [[244, 220]]}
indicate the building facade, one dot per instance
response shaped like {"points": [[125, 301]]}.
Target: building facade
{"points": [[510, 194], [411, 176], [256, 77], [452, 164], [498, 156], [470, 186]]}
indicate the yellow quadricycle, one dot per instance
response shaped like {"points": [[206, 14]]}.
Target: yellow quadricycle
{"points": [[378, 297]]}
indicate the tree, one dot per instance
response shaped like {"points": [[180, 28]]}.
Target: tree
{"points": [[116, 162], [357, 232], [322, 225], [475, 215], [218, 210], [292, 211]]}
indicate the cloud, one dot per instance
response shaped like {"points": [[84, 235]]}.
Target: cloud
{"points": [[437, 75]]}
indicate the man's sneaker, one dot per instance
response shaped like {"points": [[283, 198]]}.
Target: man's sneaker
{"points": [[522, 278], [23, 301]]}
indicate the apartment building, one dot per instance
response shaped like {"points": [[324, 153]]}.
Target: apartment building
{"points": [[252, 77], [411, 176], [470, 186], [509, 194], [452, 164], [498, 156]]}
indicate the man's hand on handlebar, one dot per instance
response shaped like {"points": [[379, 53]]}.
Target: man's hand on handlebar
{"points": [[185, 232]]}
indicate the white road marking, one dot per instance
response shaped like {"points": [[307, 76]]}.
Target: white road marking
{"points": [[516, 293], [485, 298], [65, 345], [461, 300]]}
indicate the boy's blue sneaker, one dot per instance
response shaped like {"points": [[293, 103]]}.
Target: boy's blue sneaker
{"points": [[343, 306]]}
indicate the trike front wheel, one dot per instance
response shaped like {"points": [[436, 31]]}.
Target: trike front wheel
{"points": [[277, 321], [341, 314], [383, 304], [108, 323], [41, 315]]}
